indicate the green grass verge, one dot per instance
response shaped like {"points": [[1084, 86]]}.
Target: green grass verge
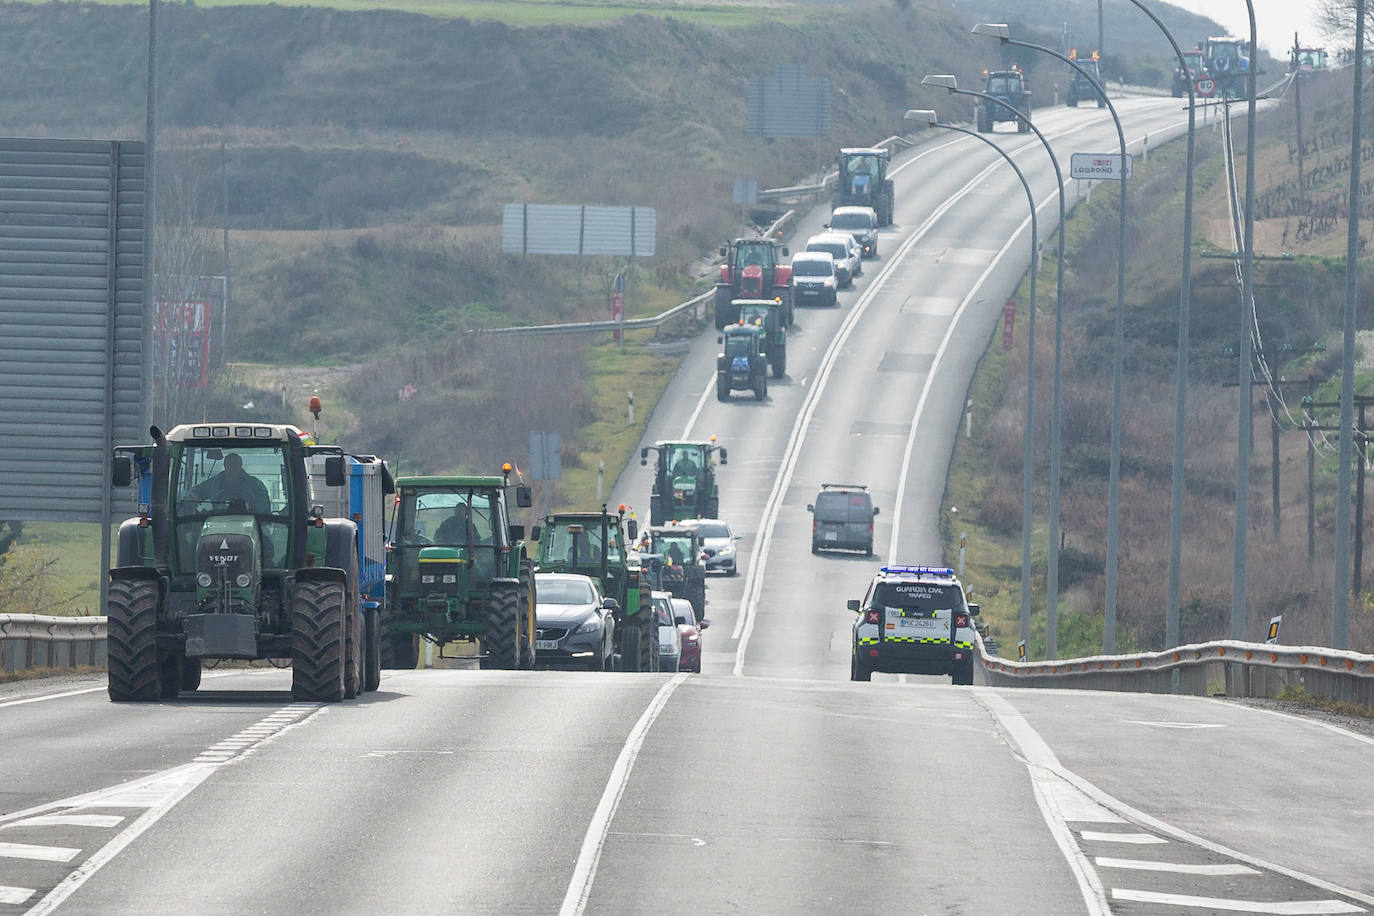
{"points": [[1297, 693]]}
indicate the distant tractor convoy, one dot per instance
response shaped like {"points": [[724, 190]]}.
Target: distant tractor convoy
{"points": [[1085, 81]]}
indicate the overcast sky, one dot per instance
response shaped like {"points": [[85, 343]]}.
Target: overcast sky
{"points": [[1275, 21]]}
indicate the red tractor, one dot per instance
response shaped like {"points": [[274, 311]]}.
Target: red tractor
{"points": [[753, 269]]}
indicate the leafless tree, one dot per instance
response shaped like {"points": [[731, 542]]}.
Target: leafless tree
{"points": [[1336, 19]]}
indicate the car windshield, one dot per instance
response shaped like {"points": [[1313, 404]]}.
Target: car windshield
{"points": [[843, 507], [683, 608], [812, 268], [851, 221], [921, 596], [565, 591], [713, 530], [837, 250]]}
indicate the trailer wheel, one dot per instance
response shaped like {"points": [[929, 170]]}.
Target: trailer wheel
{"points": [[131, 646], [317, 642], [372, 649], [501, 644]]}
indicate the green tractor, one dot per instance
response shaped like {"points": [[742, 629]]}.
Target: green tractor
{"points": [[684, 563], [459, 571], [597, 544], [684, 480], [767, 314], [229, 558]]}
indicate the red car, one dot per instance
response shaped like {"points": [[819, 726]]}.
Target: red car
{"points": [[690, 630]]}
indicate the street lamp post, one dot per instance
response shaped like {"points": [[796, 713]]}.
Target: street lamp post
{"points": [[1246, 371], [1000, 31], [949, 83], [1171, 636], [930, 119]]}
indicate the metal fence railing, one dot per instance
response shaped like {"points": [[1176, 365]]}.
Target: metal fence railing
{"points": [[1238, 669], [29, 641]]}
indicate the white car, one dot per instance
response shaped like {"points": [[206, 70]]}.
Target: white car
{"points": [[669, 637], [860, 222], [717, 542], [846, 252], [814, 280]]}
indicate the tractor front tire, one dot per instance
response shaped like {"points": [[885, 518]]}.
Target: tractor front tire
{"points": [[317, 642], [501, 644], [528, 602], [131, 621], [372, 649]]}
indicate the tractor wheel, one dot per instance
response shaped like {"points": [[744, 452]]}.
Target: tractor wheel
{"points": [[984, 126], [761, 386], [131, 642], [780, 366], [697, 596], [501, 644], [858, 671], [890, 198], [344, 555], [722, 392], [1022, 126], [712, 507], [372, 649], [630, 656], [724, 296], [399, 652], [317, 641], [169, 674], [648, 647], [190, 674], [658, 509], [1101, 103], [528, 602]]}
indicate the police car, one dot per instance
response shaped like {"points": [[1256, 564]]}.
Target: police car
{"points": [[913, 620]]}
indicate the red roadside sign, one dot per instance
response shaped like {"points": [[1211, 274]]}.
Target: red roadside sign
{"points": [[1205, 87]]}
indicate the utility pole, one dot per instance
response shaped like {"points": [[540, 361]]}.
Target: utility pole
{"points": [[1297, 112], [1272, 401], [1360, 436]]}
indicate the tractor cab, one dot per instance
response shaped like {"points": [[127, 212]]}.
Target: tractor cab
{"points": [[863, 181], [1228, 62]]}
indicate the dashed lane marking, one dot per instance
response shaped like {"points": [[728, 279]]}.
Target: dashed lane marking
{"points": [[37, 853], [68, 820], [1138, 839], [1177, 868], [15, 895]]}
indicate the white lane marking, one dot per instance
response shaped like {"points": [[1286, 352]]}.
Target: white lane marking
{"points": [[1134, 839], [695, 840], [1077, 807], [69, 820], [584, 873], [1035, 750], [1179, 725], [1047, 796], [758, 560], [1176, 868], [701, 405], [37, 853], [15, 895], [51, 696], [1283, 908]]}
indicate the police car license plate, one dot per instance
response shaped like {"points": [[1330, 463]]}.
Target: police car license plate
{"points": [[545, 644], [920, 623]]}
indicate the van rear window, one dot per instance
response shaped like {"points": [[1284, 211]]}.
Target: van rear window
{"points": [[843, 507]]}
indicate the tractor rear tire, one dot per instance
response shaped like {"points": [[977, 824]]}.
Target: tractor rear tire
{"points": [[648, 647], [890, 202], [761, 386], [372, 649], [528, 602], [696, 594], [501, 644], [722, 392], [131, 621], [399, 652], [190, 674], [317, 642], [780, 366], [724, 296], [629, 647], [658, 510], [712, 507], [354, 636]]}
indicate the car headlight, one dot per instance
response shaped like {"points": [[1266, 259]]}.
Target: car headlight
{"points": [[727, 551], [829, 281], [692, 640], [591, 625]]}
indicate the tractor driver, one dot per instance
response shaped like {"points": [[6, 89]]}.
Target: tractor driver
{"points": [[234, 483], [457, 528], [686, 465]]}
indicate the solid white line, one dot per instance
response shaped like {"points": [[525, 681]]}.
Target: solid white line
{"points": [[69, 820], [1089, 885], [52, 696], [701, 405], [1177, 868], [1034, 749], [37, 853], [758, 561], [15, 895], [1280, 908], [1134, 839], [584, 873]]}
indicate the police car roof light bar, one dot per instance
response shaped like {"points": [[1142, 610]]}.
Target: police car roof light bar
{"points": [[941, 571]]}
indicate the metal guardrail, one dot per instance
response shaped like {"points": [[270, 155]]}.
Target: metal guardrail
{"points": [[629, 324], [1239, 669], [30, 641]]}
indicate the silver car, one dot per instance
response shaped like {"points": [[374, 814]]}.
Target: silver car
{"points": [[718, 543], [574, 624]]}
